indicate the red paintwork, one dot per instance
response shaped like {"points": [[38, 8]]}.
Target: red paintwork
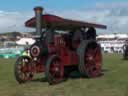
{"points": [[61, 23], [67, 56]]}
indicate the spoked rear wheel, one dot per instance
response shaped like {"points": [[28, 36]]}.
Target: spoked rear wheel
{"points": [[90, 57], [54, 70], [22, 67]]}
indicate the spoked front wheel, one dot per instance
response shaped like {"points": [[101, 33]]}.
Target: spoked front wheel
{"points": [[22, 69]]}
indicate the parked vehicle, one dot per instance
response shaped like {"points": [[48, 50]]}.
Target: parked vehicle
{"points": [[125, 48]]}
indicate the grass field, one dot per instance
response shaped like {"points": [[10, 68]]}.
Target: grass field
{"points": [[114, 82]]}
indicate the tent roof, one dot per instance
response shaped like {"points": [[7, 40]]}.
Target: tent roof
{"points": [[24, 41], [61, 23], [112, 36]]}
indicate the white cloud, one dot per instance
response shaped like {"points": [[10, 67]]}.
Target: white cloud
{"points": [[13, 21]]}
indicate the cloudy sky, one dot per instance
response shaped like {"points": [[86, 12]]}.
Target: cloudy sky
{"points": [[113, 13]]}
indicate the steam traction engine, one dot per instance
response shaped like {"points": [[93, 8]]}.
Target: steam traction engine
{"points": [[61, 46]]}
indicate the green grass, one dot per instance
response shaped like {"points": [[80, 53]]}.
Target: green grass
{"points": [[114, 82]]}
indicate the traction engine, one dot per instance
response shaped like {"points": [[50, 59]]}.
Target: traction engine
{"points": [[61, 46]]}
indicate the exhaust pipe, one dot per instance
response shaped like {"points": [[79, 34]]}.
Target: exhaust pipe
{"points": [[38, 15]]}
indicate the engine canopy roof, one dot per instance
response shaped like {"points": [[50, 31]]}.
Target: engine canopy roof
{"points": [[60, 23]]}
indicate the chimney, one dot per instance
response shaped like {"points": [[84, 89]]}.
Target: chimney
{"points": [[38, 15]]}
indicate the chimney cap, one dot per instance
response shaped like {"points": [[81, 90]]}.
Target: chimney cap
{"points": [[38, 8]]}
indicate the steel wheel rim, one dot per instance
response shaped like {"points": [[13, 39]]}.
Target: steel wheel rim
{"points": [[93, 60]]}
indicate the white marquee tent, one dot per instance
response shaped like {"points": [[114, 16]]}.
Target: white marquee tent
{"points": [[24, 41]]}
